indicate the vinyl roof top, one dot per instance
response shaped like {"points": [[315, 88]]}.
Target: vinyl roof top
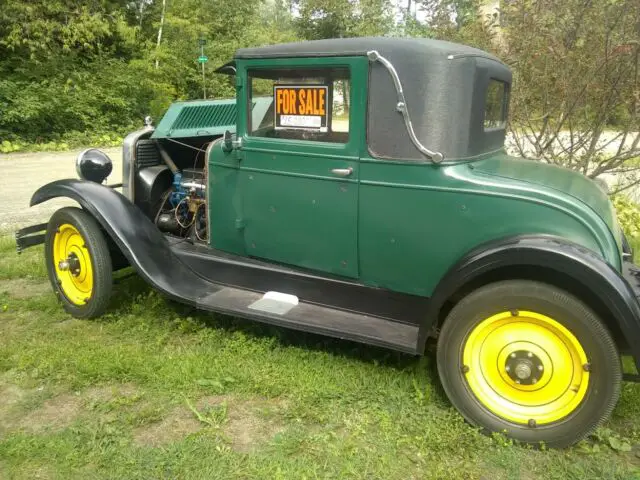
{"points": [[360, 46]]}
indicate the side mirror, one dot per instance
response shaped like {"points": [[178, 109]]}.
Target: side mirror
{"points": [[93, 165], [227, 141]]}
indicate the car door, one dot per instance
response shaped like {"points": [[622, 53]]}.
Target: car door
{"points": [[299, 167]]}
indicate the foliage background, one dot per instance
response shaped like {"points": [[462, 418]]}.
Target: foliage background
{"points": [[75, 73]]}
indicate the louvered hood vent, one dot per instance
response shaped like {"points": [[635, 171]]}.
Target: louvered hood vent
{"points": [[205, 118]]}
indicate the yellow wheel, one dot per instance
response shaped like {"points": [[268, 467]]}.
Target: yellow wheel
{"points": [[72, 263], [530, 360], [527, 367], [78, 262]]}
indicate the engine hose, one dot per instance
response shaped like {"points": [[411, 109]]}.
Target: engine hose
{"points": [[195, 228], [193, 218], [167, 159]]}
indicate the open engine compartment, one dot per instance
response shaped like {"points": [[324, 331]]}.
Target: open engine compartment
{"points": [[171, 184], [167, 165]]}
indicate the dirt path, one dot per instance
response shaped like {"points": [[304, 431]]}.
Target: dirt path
{"points": [[23, 173]]}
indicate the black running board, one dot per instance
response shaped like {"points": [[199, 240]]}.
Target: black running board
{"points": [[338, 293], [316, 319]]}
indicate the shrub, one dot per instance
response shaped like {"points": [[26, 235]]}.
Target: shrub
{"points": [[628, 215]]}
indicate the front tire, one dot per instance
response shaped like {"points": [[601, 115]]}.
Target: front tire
{"points": [[529, 360], [78, 262]]}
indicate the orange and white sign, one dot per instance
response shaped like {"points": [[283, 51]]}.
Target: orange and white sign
{"points": [[301, 107]]}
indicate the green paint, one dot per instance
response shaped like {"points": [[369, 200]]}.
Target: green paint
{"points": [[390, 224], [203, 118]]}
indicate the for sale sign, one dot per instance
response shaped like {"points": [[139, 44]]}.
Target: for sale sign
{"points": [[301, 107]]}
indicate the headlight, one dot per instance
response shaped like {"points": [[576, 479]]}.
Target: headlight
{"points": [[93, 165]]}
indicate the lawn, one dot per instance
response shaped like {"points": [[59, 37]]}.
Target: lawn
{"points": [[157, 390]]}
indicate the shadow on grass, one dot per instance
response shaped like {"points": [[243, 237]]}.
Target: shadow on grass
{"points": [[129, 288]]}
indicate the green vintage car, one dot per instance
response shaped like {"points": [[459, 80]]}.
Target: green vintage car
{"points": [[359, 188]]}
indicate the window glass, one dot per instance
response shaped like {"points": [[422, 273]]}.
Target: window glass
{"points": [[306, 104], [495, 114]]}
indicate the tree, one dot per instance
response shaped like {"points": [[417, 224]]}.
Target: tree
{"points": [[343, 18], [576, 94]]}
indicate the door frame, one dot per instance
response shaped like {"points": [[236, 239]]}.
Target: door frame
{"points": [[338, 155]]}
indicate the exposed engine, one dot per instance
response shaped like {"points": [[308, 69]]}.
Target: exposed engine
{"points": [[183, 211]]}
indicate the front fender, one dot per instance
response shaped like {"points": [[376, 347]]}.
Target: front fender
{"points": [[144, 246], [553, 255]]}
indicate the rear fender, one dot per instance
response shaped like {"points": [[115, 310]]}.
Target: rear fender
{"points": [[556, 257], [144, 246]]}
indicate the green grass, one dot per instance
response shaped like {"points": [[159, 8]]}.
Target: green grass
{"points": [[158, 390], [635, 245]]}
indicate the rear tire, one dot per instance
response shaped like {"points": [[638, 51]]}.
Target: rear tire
{"points": [[529, 360], [78, 262]]}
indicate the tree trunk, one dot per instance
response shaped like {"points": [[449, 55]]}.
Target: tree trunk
{"points": [[345, 96], [164, 9], [141, 13]]}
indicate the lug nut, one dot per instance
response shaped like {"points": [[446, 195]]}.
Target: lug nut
{"points": [[532, 423], [534, 381], [465, 368], [529, 354], [540, 367], [507, 368], [513, 355]]}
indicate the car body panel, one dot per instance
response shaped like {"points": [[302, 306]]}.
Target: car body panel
{"points": [[565, 181]]}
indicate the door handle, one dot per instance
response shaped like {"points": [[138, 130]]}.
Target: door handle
{"points": [[343, 172]]}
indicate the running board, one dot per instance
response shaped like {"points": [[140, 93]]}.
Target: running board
{"points": [[312, 318]]}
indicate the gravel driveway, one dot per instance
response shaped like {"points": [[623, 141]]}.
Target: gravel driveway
{"points": [[24, 173]]}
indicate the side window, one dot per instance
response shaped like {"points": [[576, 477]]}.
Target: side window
{"points": [[495, 114], [305, 104]]}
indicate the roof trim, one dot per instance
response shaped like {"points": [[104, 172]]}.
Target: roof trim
{"points": [[359, 46]]}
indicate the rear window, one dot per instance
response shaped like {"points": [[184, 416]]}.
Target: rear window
{"points": [[495, 114]]}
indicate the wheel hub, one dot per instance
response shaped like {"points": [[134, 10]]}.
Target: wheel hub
{"points": [[524, 367], [70, 264]]}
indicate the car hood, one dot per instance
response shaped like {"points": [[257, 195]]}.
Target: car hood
{"points": [[551, 177]]}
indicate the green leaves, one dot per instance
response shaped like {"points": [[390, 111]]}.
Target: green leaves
{"points": [[628, 214], [619, 445], [613, 440]]}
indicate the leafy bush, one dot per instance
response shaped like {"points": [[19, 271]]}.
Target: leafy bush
{"points": [[628, 215], [66, 141]]}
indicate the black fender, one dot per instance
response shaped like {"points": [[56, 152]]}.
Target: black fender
{"points": [[144, 246], [556, 256]]}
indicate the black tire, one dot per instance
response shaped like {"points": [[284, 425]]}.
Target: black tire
{"points": [[97, 253], [603, 366]]}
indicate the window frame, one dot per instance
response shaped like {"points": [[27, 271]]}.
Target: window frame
{"points": [[504, 107], [248, 98]]}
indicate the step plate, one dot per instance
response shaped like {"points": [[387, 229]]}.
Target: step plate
{"points": [[316, 319]]}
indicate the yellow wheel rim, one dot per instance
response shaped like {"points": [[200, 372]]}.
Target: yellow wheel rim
{"points": [[525, 367], [72, 264]]}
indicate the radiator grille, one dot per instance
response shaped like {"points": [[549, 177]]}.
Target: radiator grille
{"points": [[147, 154]]}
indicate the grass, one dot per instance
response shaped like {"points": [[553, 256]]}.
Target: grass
{"points": [[158, 390]]}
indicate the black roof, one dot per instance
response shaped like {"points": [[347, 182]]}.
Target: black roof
{"points": [[360, 46]]}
